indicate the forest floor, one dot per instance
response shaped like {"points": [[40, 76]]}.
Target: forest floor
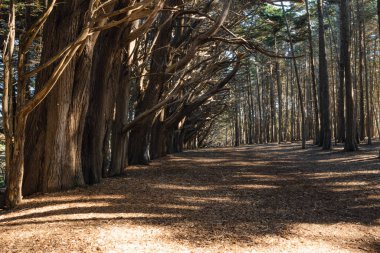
{"points": [[263, 198]]}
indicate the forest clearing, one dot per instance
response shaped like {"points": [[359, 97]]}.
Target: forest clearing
{"points": [[262, 198]]}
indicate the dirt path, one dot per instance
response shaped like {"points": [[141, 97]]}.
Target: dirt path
{"points": [[265, 198]]}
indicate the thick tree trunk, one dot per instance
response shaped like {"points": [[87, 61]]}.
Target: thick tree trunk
{"points": [[178, 141], [139, 138], [104, 78], [119, 140], [174, 141], [159, 138], [55, 162], [139, 144]]}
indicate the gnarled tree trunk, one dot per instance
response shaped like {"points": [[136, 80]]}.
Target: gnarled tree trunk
{"points": [[55, 162], [104, 79]]}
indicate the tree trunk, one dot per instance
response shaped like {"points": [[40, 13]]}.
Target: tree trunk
{"points": [[139, 138], [119, 140], [323, 82], [250, 108], [105, 80], [56, 161], [279, 96], [237, 122], [367, 88], [340, 98], [300, 96], [260, 132], [16, 172], [272, 107], [287, 106], [361, 72], [378, 15], [7, 99], [350, 144], [160, 136]]}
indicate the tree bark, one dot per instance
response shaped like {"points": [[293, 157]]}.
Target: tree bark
{"points": [[279, 96], [55, 163], [361, 72], [350, 144], [323, 83], [340, 98], [260, 117], [104, 78], [139, 138], [7, 103], [15, 175], [119, 141], [367, 88], [272, 107]]}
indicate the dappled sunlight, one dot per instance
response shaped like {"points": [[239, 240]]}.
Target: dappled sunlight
{"points": [[255, 176], [128, 239], [242, 163], [347, 184], [341, 174], [181, 187], [374, 206], [236, 200], [347, 159], [179, 207], [256, 186], [74, 217], [197, 200], [342, 189], [42, 211]]}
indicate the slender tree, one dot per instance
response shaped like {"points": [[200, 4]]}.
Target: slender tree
{"points": [[350, 143], [323, 83], [313, 78], [300, 95]]}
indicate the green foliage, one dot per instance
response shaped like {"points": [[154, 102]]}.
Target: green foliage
{"points": [[268, 25], [2, 182]]}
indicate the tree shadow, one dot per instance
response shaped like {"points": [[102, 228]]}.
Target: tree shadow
{"points": [[234, 194]]}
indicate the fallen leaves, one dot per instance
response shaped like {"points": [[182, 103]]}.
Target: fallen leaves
{"points": [[264, 198]]}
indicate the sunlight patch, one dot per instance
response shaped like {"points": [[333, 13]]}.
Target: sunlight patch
{"points": [[34, 213], [256, 186], [182, 187], [349, 183], [179, 207]]}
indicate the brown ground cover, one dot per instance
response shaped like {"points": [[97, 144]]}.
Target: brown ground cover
{"points": [[263, 198]]}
